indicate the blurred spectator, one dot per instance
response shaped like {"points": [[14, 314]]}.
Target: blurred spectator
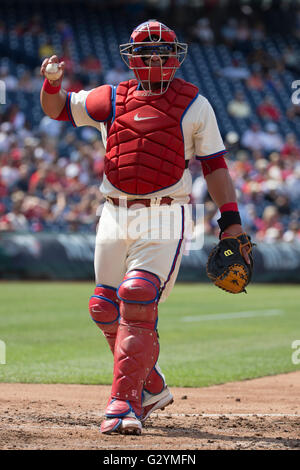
{"points": [[11, 82], [253, 138], [91, 64], [268, 110], [203, 32], [73, 83], [15, 221], [25, 82], [293, 112], [50, 127], [65, 32], [46, 48], [261, 57], [238, 107], [20, 28], [271, 139], [35, 25], [272, 83], [291, 59], [291, 149], [231, 141], [70, 65], [23, 179], [116, 75], [270, 228], [15, 117], [255, 80], [243, 34], [235, 71], [229, 32], [292, 234], [293, 184], [9, 174], [36, 80], [258, 32]]}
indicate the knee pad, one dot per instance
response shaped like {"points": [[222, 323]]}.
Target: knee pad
{"points": [[104, 307], [139, 294]]}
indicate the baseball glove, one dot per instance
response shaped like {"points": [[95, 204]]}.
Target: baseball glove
{"points": [[226, 266]]}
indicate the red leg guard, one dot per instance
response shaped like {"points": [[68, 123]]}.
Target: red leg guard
{"points": [[100, 310], [155, 382], [137, 347], [136, 351], [104, 310]]}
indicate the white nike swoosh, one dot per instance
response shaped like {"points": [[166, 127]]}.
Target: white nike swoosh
{"points": [[140, 118]]}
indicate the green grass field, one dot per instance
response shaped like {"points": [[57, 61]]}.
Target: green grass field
{"points": [[206, 335]]}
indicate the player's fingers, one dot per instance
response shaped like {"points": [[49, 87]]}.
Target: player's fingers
{"points": [[61, 66], [53, 59], [45, 62], [245, 255], [43, 66]]}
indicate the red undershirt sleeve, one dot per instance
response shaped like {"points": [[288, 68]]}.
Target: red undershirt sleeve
{"points": [[63, 115], [210, 165]]}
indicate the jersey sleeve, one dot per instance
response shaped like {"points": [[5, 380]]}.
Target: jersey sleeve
{"points": [[208, 141], [90, 108]]}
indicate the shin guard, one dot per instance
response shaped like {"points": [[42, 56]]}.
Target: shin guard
{"points": [[104, 310], [137, 347]]}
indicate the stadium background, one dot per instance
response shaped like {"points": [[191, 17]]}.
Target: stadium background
{"points": [[244, 57]]}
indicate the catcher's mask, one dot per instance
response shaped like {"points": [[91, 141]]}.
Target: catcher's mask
{"points": [[154, 54]]}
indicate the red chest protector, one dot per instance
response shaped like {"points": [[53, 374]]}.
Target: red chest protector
{"points": [[145, 148]]}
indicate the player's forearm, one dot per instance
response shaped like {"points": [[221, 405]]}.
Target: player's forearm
{"points": [[221, 190], [53, 104], [220, 187]]}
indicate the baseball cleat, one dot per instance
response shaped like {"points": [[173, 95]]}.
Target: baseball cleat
{"points": [[120, 418], [128, 425], [155, 402]]}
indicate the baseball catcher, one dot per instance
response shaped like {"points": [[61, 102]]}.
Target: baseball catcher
{"points": [[151, 127]]}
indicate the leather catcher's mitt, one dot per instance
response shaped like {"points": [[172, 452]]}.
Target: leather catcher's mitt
{"points": [[226, 266]]}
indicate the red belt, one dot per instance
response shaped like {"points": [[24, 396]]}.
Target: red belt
{"points": [[144, 202]]}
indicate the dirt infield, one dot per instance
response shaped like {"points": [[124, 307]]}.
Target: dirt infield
{"points": [[255, 414]]}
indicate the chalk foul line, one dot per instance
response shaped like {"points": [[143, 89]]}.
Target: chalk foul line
{"points": [[233, 315]]}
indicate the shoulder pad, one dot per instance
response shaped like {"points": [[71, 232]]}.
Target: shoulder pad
{"points": [[98, 103]]}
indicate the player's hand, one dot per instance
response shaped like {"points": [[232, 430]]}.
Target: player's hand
{"points": [[51, 60], [236, 229]]}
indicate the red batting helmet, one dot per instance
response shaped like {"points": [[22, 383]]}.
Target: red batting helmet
{"points": [[150, 39]]}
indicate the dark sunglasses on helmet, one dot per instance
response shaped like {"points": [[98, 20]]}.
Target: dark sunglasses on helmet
{"points": [[160, 49]]}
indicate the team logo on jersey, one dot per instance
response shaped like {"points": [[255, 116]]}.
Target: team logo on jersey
{"points": [[141, 118], [228, 253], [95, 310]]}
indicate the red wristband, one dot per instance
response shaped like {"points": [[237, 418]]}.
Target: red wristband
{"points": [[229, 206], [50, 89]]}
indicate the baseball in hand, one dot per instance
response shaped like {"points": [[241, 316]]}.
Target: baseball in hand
{"points": [[53, 72]]}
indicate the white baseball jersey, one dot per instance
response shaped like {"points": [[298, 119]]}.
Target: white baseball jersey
{"points": [[201, 136]]}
